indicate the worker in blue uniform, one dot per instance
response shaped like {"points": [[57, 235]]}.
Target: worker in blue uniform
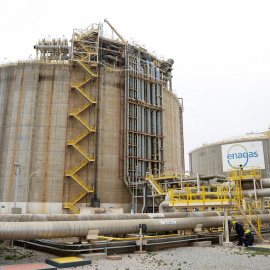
{"points": [[248, 238], [240, 231]]}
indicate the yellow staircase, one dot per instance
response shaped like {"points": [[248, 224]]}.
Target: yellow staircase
{"points": [[77, 139], [87, 68], [84, 153], [79, 110], [252, 217], [71, 204], [86, 48], [92, 100], [156, 186], [77, 168], [81, 182], [90, 128], [237, 175], [85, 55]]}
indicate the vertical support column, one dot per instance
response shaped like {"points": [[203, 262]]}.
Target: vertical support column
{"points": [[244, 204], [226, 228], [198, 182], [227, 242], [18, 170], [255, 192]]}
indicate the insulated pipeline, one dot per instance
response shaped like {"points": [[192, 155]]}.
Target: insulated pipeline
{"points": [[249, 184], [60, 229], [265, 192], [66, 217]]}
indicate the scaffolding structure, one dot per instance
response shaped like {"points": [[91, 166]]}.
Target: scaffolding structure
{"points": [[143, 116], [146, 79]]}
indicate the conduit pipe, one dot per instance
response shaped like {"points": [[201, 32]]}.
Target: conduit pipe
{"points": [[52, 47], [249, 185], [56, 57], [110, 57], [265, 192], [164, 206], [60, 229], [67, 217], [116, 32]]}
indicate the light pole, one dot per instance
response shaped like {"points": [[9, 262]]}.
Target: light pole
{"points": [[29, 179], [17, 167]]}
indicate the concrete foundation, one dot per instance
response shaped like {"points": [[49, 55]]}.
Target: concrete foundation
{"points": [[114, 257], [227, 244], [93, 256], [202, 244], [16, 210]]}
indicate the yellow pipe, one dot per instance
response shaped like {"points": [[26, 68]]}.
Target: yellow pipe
{"points": [[146, 237], [136, 238]]}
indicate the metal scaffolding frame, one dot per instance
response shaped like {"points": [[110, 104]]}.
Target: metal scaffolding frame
{"points": [[143, 123]]}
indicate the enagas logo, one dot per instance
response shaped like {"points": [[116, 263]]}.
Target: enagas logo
{"points": [[239, 155]]}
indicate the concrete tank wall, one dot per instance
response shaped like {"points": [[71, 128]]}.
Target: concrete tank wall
{"points": [[208, 159], [111, 189], [33, 121], [173, 132]]}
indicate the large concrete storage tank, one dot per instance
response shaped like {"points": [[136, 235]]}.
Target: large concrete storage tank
{"points": [[91, 127], [251, 150], [33, 120]]}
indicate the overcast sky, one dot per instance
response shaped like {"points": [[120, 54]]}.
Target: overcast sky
{"points": [[221, 51]]}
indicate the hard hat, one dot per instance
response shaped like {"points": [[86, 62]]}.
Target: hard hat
{"points": [[233, 222], [247, 231]]}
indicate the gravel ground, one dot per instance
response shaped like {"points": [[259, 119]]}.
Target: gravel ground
{"points": [[183, 258], [214, 257]]}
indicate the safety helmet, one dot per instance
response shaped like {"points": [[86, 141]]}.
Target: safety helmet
{"points": [[247, 231], [233, 222]]}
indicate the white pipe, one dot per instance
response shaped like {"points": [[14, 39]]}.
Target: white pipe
{"points": [[259, 192], [122, 39], [60, 229]]}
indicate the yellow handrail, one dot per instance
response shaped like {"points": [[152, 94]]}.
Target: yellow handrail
{"points": [[78, 197], [79, 84], [76, 112], [88, 69], [246, 172], [156, 186], [82, 183], [92, 100], [84, 153], [77, 168], [87, 49], [200, 195], [90, 128], [77, 139], [252, 214]]}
